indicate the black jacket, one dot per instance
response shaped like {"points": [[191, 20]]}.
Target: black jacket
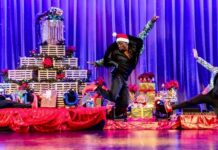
{"points": [[123, 65]]}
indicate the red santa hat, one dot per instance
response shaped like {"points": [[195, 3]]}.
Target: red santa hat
{"points": [[121, 37]]}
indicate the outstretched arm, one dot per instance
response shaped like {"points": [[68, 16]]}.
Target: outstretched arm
{"points": [[97, 63], [203, 62], [106, 60], [144, 33]]}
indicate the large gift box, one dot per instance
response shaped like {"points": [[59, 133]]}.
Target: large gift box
{"points": [[142, 112], [148, 89], [146, 98], [49, 98]]}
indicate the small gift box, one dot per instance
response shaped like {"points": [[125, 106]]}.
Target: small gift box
{"points": [[48, 98], [142, 112], [98, 102], [147, 86], [172, 93]]}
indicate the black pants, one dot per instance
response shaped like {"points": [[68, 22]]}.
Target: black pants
{"points": [[210, 98], [119, 92]]}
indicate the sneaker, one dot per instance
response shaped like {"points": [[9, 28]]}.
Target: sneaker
{"points": [[168, 106], [110, 115], [117, 114]]}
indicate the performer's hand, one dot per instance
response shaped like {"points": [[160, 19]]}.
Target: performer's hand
{"points": [[195, 53], [92, 63], [205, 91], [154, 18]]}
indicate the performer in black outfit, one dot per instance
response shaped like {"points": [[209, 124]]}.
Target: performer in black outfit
{"points": [[123, 55], [209, 94]]}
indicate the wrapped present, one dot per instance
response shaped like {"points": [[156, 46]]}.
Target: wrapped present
{"points": [[172, 93], [170, 90], [18, 96], [141, 98], [147, 98], [142, 112], [132, 91], [150, 96], [48, 98], [169, 94], [71, 98], [91, 99], [132, 96], [90, 103], [98, 102], [147, 86]]}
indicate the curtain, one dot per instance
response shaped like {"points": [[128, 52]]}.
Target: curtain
{"points": [[89, 24]]}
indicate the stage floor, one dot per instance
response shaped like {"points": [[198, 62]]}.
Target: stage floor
{"points": [[112, 139]]}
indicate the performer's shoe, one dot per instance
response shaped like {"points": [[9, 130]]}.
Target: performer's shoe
{"points": [[168, 106], [115, 114], [110, 115]]}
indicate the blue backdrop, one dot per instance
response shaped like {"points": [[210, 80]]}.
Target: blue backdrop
{"points": [[183, 25]]}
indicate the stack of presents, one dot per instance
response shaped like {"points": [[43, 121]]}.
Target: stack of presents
{"points": [[52, 72], [144, 96]]}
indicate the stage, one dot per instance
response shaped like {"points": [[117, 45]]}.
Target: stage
{"points": [[75, 119]]}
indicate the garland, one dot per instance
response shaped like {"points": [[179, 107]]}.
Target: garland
{"points": [[70, 51], [51, 80], [33, 67], [42, 55], [21, 81]]}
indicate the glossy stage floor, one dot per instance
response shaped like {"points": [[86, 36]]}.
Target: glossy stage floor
{"points": [[112, 139]]}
